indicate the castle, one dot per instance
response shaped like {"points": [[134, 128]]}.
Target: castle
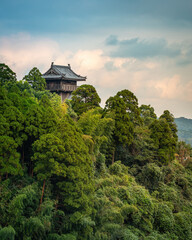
{"points": [[62, 80]]}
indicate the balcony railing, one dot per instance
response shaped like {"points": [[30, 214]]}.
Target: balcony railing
{"points": [[67, 88]]}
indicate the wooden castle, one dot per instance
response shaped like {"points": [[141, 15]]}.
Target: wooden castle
{"points": [[62, 80]]}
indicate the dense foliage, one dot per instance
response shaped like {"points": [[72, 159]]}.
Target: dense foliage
{"points": [[75, 171]]}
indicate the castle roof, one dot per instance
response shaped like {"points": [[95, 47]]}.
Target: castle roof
{"points": [[57, 72]]}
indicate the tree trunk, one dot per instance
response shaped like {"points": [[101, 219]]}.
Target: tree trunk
{"points": [[113, 157], [32, 172], [57, 200], [23, 156], [43, 189]]}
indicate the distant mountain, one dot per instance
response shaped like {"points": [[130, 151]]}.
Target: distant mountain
{"points": [[184, 126]]}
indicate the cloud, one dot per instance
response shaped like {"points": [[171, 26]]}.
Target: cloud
{"points": [[112, 40], [154, 81], [139, 48], [22, 52]]}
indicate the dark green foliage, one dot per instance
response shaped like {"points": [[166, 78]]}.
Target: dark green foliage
{"points": [[170, 120], [49, 155], [150, 176], [182, 226], [15, 119], [57, 181], [164, 219], [84, 98], [98, 130], [123, 132], [142, 149], [9, 157], [75, 185], [184, 152], [164, 141], [123, 108], [7, 76], [147, 114], [35, 79], [131, 104], [7, 233]]}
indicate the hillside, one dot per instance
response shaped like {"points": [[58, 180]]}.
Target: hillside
{"points": [[75, 171], [184, 129]]}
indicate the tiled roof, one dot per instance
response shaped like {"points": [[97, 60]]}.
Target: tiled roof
{"points": [[65, 72]]}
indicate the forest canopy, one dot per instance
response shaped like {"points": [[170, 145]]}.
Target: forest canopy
{"points": [[76, 171]]}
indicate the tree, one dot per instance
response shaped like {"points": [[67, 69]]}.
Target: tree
{"points": [[131, 104], [49, 119], [9, 157], [7, 76], [84, 98], [98, 130], [4, 100], [170, 120], [7, 233], [124, 108], [142, 149], [16, 120], [49, 155], [184, 151], [75, 189], [123, 132], [65, 156], [35, 79], [163, 140], [147, 114]]}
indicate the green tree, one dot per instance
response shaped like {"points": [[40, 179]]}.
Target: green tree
{"points": [[124, 108], [131, 104], [163, 140], [184, 151], [7, 76], [76, 188], [9, 157], [35, 79], [170, 120], [16, 120], [49, 118], [49, 155], [123, 132], [33, 121], [66, 157], [99, 130], [147, 114], [4, 100], [7, 233], [85, 98], [142, 149]]}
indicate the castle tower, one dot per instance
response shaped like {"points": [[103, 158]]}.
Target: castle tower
{"points": [[62, 80]]}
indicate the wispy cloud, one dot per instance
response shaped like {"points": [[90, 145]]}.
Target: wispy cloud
{"points": [[139, 48]]}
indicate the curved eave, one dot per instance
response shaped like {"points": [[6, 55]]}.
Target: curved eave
{"points": [[63, 78]]}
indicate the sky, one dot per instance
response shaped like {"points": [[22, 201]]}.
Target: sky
{"points": [[144, 46]]}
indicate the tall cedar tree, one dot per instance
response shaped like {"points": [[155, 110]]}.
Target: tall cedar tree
{"points": [[7, 76], [35, 79], [85, 98]]}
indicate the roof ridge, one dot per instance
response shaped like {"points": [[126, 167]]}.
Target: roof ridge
{"points": [[61, 66], [59, 70], [69, 67]]}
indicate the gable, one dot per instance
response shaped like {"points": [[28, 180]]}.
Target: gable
{"points": [[52, 71]]}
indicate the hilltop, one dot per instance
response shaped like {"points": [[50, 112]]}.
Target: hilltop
{"points": [[184, 129]]}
